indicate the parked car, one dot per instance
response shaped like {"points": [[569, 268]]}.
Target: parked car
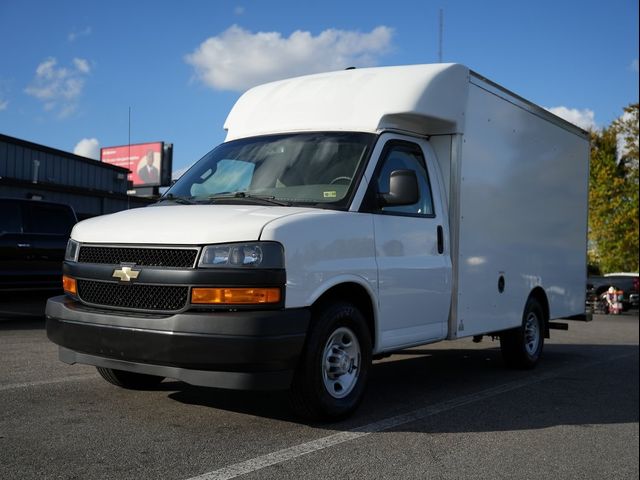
{"points": [[628, 283], [33, 238]]}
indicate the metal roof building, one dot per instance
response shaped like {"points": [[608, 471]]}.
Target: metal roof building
{"points": [[29, 170]]}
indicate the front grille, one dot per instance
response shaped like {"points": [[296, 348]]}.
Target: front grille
{"points": [[150, 257], [136, 296]]}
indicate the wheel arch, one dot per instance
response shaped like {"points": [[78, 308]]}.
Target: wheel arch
{"points": [[357, 294], [540, 296]]}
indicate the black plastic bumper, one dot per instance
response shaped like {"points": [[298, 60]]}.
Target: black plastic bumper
{"points": [[243, 350]]}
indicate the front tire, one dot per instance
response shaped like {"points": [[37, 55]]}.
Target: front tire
{"points": [[331, 377], [129, 380], [522, 346]]}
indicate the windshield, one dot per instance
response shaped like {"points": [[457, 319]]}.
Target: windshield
{"points": [[311, 169]]}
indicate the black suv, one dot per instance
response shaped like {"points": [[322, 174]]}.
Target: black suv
{"points": [[33, 239]]}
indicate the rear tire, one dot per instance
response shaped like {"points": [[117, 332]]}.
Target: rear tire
{"points": [[331, 377], [129, 380], [522, 346]]}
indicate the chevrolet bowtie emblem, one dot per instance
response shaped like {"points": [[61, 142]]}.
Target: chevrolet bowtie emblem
{"points": [[125, 274]]}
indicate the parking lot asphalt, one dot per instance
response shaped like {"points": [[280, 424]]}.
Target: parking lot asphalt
{"points": [[448, 410]]}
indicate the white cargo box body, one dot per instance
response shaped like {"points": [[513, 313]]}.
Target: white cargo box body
{"points": [[515, 176]]}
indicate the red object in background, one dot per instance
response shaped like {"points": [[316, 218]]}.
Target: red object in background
{"points": [[144, 160]]}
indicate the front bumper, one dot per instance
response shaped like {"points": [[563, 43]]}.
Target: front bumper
{"points": [[239, 350]]}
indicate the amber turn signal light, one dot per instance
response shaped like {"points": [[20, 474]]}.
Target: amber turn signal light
{"points": [[69, 285], [234, 296]]}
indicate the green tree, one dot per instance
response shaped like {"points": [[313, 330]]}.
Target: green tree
{"points": [[613, 195]]}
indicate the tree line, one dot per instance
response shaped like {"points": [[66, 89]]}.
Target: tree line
{"points": [[613, 196]]}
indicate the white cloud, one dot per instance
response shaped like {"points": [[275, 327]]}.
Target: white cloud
{"points": [[584, 119], [74, 35], [621, 141], [59, 87], [239, 10], [3, 104], [634, 65], [82, 65], [238, 59], [176, 174], [88, 147]]}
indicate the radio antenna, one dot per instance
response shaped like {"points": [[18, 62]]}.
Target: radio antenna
{"points": [[440, 32], [129, 157]]}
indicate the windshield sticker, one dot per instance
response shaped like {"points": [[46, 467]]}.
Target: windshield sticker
{"points": [[331, 194]]}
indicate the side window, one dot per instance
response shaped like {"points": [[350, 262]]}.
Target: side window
{"points": [[406, 156], [10, 217]]}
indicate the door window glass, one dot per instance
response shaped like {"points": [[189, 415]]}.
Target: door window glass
{"points": [[407, 156]]}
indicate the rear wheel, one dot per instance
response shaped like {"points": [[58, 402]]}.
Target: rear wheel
{"points": [[522, 346], [129, 380], [330, 380]]}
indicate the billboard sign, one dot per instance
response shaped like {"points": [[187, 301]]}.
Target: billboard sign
{"points": [[145, 161]]}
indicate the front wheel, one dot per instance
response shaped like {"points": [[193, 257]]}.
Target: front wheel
{"points": [[129, 380], [330, 380], [522, 346]]}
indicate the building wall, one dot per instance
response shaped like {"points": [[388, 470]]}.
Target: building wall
{"points": [[29, 170]]}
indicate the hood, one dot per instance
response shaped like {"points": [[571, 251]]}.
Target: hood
{"points": [[181, 224]]}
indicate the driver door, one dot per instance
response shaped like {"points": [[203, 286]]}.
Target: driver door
{"points": [[414, 269]]}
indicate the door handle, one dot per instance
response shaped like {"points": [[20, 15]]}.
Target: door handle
{"points": [[440, 240], [24, 245]]}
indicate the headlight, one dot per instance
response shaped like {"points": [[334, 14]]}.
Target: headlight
{"points": [[251, 255], [71, 254]]}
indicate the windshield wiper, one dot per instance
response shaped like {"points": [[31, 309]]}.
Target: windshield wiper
{"points": [[244, 197], [174, 198]]}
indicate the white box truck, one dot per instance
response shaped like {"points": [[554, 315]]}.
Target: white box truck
{"points": [[346, 216]]}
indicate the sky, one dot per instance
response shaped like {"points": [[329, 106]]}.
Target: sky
{"points": [[72, 73]]}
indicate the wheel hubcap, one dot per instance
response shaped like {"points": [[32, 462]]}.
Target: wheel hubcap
{"points": [[341, 363], [531, 334]]}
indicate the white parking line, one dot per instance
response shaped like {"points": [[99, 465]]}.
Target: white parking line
{"points": [[38, 383], [284, 455]]}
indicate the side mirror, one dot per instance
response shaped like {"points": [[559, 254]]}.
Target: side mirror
{"points": [[403, 189]]}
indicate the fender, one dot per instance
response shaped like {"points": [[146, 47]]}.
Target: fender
{"points": [[342, 279]]}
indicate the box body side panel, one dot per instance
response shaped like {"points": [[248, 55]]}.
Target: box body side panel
{"points": [[522, 215]]}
